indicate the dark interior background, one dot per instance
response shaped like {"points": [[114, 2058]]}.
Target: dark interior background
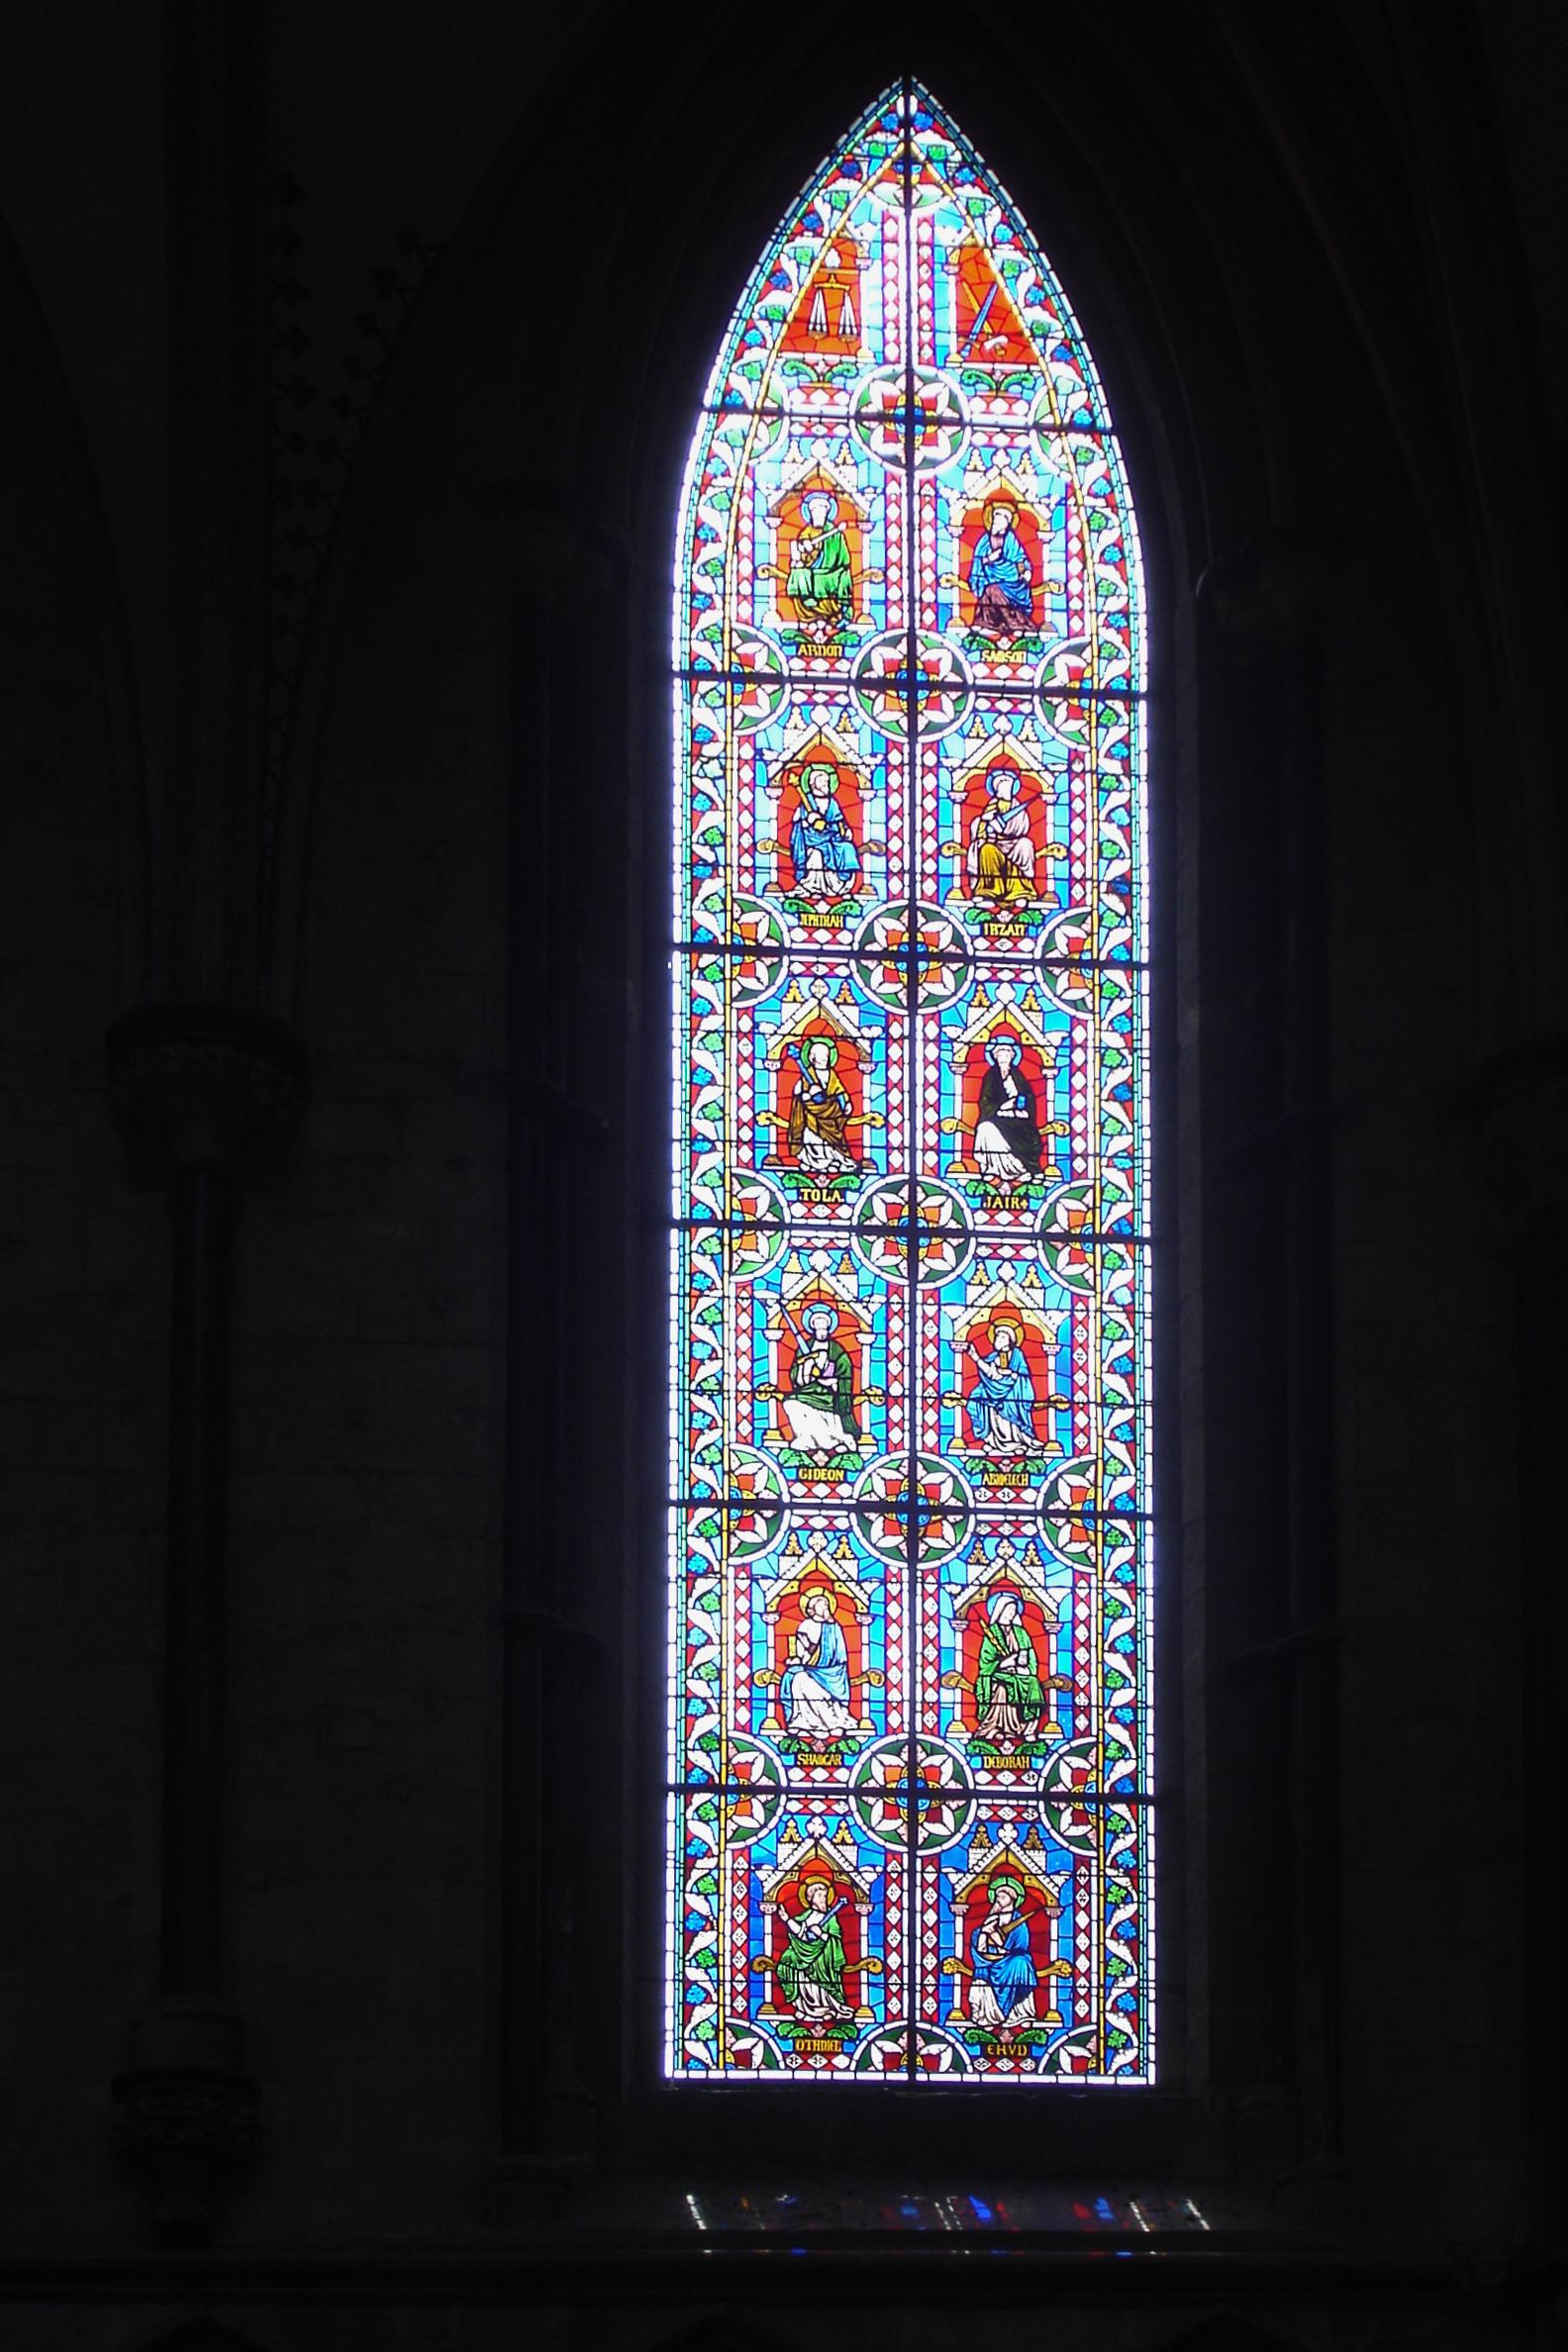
{"points": [[348, 359]]}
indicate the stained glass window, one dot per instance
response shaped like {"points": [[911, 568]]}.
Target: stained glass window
{"points": [[909, 1810]]}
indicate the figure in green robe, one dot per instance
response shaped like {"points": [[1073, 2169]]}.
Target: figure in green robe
{"points": [[811, 1967], [818, 1403], [820, 581], [1010, 1697]]}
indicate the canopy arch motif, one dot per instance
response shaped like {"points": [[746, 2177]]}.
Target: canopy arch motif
{"points": [[909, 1256]]}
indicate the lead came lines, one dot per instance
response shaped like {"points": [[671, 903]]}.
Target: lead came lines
{"points": [[737, 1282]]}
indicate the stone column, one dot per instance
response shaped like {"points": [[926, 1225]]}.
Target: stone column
{"points": [[1523, 1124], [208, 1100], [1268, 602], [563, 778], [204, 1087]]}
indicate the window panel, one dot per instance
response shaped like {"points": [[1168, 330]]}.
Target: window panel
{"points": [[910, 1745]]}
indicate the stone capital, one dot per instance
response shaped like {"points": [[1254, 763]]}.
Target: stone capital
{"points": [[204, 1086]]}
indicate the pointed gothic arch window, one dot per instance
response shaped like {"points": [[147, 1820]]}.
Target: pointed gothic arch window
{"points": [[910, 1738]]}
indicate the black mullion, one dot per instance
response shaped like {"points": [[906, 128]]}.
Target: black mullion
{"points": [[815, 1794], [997, 425], [912, 1531], [1089, 1516], [1000, 689], [807, 953], [1096, 1240]]}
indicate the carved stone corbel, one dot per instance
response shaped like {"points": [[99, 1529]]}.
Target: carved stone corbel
{"points": [[187, 2124], [201, 1086]]}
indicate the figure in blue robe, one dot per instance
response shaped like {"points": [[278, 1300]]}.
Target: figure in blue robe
{"points": [[1001, 1404], [814, 1688], [1002, 1986], [1001, 578], [822, 854]]}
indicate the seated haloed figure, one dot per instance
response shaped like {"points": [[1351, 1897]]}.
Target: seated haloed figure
{"points": [[820, 581], [814, 1689], [1007, 1137], [823, 856], [1000, 578], [1004, 1976], [1008, 1695], [1001, 1403], [1000, 856], [819, 1401], [811, 1968], [820, 1113]]}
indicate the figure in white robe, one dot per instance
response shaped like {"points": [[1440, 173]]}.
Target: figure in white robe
{"points": [[1007, 1144], [814, 1688]]}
